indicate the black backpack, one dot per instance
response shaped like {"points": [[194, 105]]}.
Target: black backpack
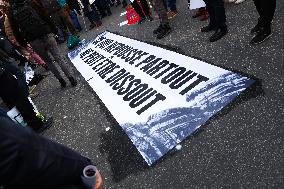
{"points": [[31, 25]]}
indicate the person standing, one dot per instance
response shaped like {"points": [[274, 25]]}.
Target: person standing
{"points": [[262, 30], [91, 13], [217, 21], [30, 24]]}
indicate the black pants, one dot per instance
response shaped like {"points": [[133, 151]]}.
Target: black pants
{"points": [[216, 12], [137, 8], [14, 95], [31, 161], [103, 7], [265, 9]]}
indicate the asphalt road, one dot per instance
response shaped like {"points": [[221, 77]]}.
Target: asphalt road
{"points": [[240, 147]]}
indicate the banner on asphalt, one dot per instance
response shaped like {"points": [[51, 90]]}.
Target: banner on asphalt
{"points": [[158, 97]]}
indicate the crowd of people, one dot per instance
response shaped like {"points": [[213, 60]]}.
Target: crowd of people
{"points": [[30, 31]]}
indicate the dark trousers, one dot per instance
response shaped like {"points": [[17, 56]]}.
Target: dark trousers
{"points": [[103, 7], [137, 8], [31, 161], [216, 12], [265, 9], [93, 15], [14, 95], [160, 9]]}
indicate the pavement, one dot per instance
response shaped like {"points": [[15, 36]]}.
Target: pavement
{"points": [[240, 147]]}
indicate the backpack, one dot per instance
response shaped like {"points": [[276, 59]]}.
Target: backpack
{"points": [[31, 25]]}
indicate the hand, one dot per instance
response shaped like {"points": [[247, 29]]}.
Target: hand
{"points": [[99, 180]]}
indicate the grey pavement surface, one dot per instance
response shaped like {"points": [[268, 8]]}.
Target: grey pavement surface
{"points": [[241, 147]]}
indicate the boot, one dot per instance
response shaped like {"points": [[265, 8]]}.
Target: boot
{"points": [[62, 82], [72, 81], [219, 33], [165, 30]]}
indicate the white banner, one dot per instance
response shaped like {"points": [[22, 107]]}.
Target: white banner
{"points": [[158, 97]]}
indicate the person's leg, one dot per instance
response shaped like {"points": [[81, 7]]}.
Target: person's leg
{"points": [[41, 48], [67, 20], [212, 21], [145, 7], [267, 12], [220, 18], [262, 30], [13, 95], [57, 54], [172, 5], [137, 8], [164, 27]]}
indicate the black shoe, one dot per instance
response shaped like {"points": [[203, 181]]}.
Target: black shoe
{"points": [[208, 28], [255, 29], [165, 30], [261, 36], [62, 82], [72, 81], [46, 125], [109, 13], [158, 30], [219, 33]]}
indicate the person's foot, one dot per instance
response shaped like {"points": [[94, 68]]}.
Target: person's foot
{"points": [[72, 81], [92, 26], [165, 30], [157, 30], [172, 14], [109, 13], [255, 29], [208, 28], [46, 125], [219, 33], [62, 82], [142, 19], [261, 36]]}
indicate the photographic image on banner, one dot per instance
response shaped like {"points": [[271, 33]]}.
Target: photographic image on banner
{"points": [[159, 97]]}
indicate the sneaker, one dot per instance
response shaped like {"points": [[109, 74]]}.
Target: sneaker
{"points": [[72, 81], [62, 82], [219, 33], [255, 29], [158, 30], [208, 28], [46, 125], [165, 30], [172, 14], [261, 36]]}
